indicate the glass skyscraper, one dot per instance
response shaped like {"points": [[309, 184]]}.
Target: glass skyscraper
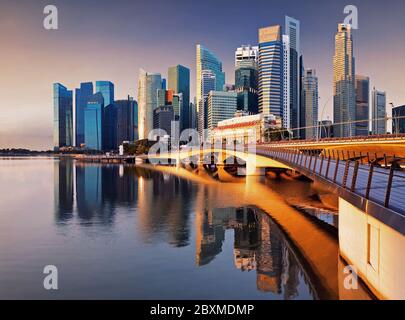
{"points": [[362, 105], [310, 103], [82, 95], [62, 116], [344, 102], [94, 122], [379, 100], [208, 63], [221, 106], [271, 71], [125, 120], [179, 82], [208, 83], [148, 86], [106, 88]]}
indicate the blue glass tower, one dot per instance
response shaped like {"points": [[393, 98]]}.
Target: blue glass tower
{"points": [[271, 87], [94, 122], [179, 82], [62, 116], [82, 96]]}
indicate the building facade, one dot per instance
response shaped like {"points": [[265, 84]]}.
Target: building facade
{"points": [[82, 96], [221, 106], [125, 120], [379, 113], [362, 105], [163, 117], [398, 115], [62, 116], [246, 87], [179, 82], [310, 103], [207, 66], [271, 71], [148, 85], [94, 122], [246, 57], [286, 81], [344, 100], [208, 83], [292, 29]]}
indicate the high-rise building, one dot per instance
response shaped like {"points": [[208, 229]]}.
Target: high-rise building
{"points": [[94, 122], [82, 95], [398, 122], [292, 29], [362, 105], [379, 101], [207, 62], [163, 117], [246, 83], [286, 81], [310, 103], [177, 104], [271, 71], [179, 82], [125, 120], [208, 83], [246, 57], [221, 106], [106, 88], [344, 103], [62, 116], [148, 86]]}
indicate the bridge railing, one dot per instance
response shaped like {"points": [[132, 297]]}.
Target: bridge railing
{"points": [[385, 186]]}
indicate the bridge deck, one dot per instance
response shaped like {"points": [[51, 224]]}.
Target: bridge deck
{"points": [[335, 173]]}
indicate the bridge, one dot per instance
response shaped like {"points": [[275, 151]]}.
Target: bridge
{"points": [[371, 191]]}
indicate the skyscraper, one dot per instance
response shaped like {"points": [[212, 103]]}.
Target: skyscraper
{"points": [[362, 105], [148, 85], [163, 117], [310, 103], [344, 103], [82, 95], [286, 83], [106, 88], [94, 122], [62, 116], [179, 82], [246, 78], [292, 29], [271, 71], [125, 119], [209, 63], [208, 83], [221, 106], [379, 113]]}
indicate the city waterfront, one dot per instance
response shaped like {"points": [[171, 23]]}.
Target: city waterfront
{"points": [[123, 231]]}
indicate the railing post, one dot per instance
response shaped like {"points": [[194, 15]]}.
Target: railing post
{"points": [[389, 187], [361, 158], [327, 168], [320, 169], [355, 172], [368, 158], [346, 173], [369, 181], [385, 161], [336, 170], [315, 161]]}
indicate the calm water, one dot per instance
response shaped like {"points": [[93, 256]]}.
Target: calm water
{"points": [[117, 231]]}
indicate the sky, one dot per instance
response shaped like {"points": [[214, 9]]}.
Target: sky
{"points": [[112, 40]]}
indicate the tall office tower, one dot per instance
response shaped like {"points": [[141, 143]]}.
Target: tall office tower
{"points": [[94, 122], [62, 116], [379, 101], [208, 83], [246, 78], [246, 57], [193, 116], [163, 117], [179, 82], [125, 120], [82, 95], [209, 63], [292, 29], [163, 84], [178, 108], [301, 133], [221, 106], [271, 71], [344, 102], [310, 103], [148, 85], [164, 97], [135, 122], [286, 82], [106, 88], [362, 105], [398, 116]]}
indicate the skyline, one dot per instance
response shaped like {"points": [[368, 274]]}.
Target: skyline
{"points": [[40, 57]]}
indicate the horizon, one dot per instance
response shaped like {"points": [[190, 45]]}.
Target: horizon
{"points": [[89, 47]]}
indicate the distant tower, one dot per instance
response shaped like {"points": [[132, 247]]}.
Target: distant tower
{"points": [[271, 71], [63, 116], [310, 103], [148, 86], [379, 100], [82, 95], [344, 104], [179, 82], [362, 105], [94, 122]]}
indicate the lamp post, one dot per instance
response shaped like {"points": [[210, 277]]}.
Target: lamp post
{"points": [[320, 121]]}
